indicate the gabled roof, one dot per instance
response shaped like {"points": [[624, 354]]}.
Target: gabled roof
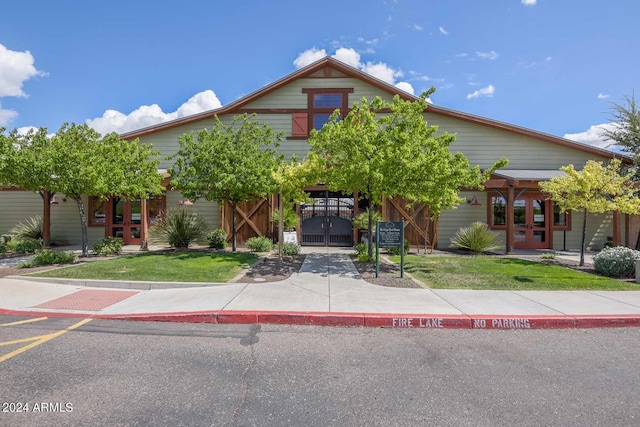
{"points": [[349, 71]]}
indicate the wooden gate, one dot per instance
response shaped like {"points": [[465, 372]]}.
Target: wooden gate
{"points": [[253, 219], [416, 220]]}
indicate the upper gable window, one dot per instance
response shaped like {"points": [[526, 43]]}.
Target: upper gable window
{"points": [[327, 100]]}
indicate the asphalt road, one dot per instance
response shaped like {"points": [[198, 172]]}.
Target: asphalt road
{"points": [[132, 373]]}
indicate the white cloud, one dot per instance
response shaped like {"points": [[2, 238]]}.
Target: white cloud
{"points": [[309, 56], [593, 136], [548, 59], [486, 91], [529, 2], [6, 116], [148, 115], [487, 55], [381, 71], [15, 69], [461, 55], [348, 56], [443, 31], [602, 96], [405, 86], [430, 79], [417, 27]]}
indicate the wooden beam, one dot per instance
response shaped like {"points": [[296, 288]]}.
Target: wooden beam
{"points": [[617, 237], [246, 218], [510, 227], [410, 220]]}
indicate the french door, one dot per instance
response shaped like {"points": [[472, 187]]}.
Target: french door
{"points": [[531, 222], [126, 220]]}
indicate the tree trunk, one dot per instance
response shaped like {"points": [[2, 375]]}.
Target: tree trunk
{"points": [[280, 226], [83, 226], [584, 237], [233, 226]]}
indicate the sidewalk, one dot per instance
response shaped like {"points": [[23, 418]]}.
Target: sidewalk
{"points": [[327, 291]]}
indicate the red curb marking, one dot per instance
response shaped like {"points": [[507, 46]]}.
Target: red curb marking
{"points": [[611, 321], [88, 300], [522, 322], [410, 321], [402, 321]]}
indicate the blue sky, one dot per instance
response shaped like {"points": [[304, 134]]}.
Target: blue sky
{"points": [[550, 65]]}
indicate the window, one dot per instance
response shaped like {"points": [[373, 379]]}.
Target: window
{"points": [[561, 221], [97, 211], [498, 208], [157, 205], [321, 103], [327, 100]]}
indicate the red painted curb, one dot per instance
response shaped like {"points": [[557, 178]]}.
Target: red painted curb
{"points": [[371, 320], [522, 322], [408, 321], [608, 321]]}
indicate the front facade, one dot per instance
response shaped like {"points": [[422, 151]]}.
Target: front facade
{"points": [[511, 202]]}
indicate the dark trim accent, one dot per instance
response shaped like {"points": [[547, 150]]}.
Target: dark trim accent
{"points": [[272, 110]]}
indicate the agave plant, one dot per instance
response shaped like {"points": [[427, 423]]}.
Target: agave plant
{"points": [[179, 227], [30, 228], [475, 238]]}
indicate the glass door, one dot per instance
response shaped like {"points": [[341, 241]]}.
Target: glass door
{"points": [[530, 222], [126, 220]]}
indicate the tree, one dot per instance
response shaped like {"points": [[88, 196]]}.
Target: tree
{"points": [[83, 163], [77, 161], [395, 154], [229, 163], [596, 188], [292, 177], [626, 130]]}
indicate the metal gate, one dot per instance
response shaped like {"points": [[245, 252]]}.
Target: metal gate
{"points": [[327, 221]]}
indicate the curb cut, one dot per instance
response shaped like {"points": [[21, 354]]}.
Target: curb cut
{"points": [[369, 320]]}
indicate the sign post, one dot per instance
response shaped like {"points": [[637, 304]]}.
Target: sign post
{"points": [[390, 235]]}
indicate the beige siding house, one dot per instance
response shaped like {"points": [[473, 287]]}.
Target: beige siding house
{"points": [[302, 101]]}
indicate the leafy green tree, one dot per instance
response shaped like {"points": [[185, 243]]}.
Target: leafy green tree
{"points": [[292, 177], [77, 161], [392, 154], [228, 163], [596, 188], [626, 130]]}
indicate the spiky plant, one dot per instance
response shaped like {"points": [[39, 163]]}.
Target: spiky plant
{"points": [[30, 228], [476, 238], [179, 227]]}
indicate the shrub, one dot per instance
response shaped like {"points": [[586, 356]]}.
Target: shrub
{"points": [[475, 238], [290, 218], [108, 246], [179, 227], [217, 238], [548, 255], [3, 248], [290, 249], [49, 257], [259, 244], [361, 221], [616, 262], [30, 228], [396, 251], [27, 245], [362, 253]]}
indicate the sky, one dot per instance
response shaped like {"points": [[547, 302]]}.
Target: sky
{"points": [[554, 66]]}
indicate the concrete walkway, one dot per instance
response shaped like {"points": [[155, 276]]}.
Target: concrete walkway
{"points": [[327, 290]]}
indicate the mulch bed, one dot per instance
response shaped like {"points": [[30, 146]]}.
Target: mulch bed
{"points": [[269, 269]]}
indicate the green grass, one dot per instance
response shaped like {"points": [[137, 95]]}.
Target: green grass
{"points": [[484, 272], [168, 267]]}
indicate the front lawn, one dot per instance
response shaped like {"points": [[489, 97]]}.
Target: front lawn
{"points": [[486, 272], [188, 266]]}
